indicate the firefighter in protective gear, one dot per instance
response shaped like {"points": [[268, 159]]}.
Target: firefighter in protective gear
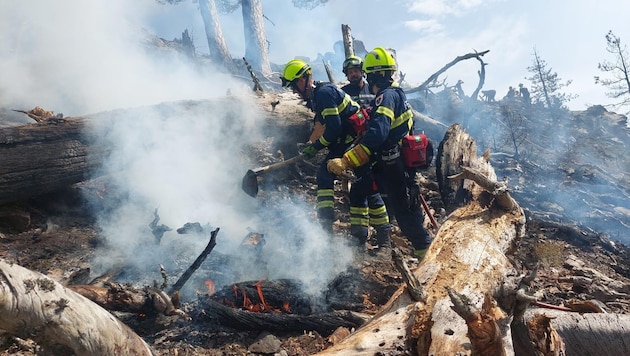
{"points": [[391, 119], [366, 203], [332, 108], [357, 88]]}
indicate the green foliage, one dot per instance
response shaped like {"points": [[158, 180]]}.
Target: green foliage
{"points": [[619, 83], [546, 84]]}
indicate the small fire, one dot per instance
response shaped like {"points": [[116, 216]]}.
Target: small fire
{"points": [[261, 306], [210, 285]]}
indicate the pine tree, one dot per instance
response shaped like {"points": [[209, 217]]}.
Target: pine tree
{"points": [[619, 84], [546, 85]]}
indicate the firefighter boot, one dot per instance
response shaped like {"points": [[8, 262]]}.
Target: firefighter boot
{"points": [[383, 239]]}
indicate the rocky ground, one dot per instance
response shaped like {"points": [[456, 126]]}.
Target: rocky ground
{"points": [[58, 238]]}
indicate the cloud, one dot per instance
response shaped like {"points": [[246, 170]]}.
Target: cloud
{"points": [[428, 26]]}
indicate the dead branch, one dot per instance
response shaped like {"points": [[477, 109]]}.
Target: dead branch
{"points": [[435, 75], [188, 273]]}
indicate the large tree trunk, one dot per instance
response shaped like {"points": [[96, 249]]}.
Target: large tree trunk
{"points": [[42, 158], [34, 306], [256, 47], [216, 43], [468, 256]]}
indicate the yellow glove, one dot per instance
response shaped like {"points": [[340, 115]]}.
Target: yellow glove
{"points": [[338, 166]]}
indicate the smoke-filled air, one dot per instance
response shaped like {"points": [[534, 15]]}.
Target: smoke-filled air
{"points": [[175, 154]]}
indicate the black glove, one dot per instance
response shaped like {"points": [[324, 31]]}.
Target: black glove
{"points": [[309, 152]]}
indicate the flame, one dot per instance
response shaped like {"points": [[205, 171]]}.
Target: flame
{"points": [[211, 289], [249, 305]]}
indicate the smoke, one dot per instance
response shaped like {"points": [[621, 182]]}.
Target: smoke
{"points": [[174, 142]]}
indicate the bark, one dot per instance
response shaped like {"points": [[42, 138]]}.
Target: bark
{"points": [[34, 306], [216, 43], [468, 255], [323, 323], [42, 158], [256, 47], [582, 333], [348, 43]]}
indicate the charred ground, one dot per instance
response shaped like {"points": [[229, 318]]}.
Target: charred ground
{"points": [[54, 234]]}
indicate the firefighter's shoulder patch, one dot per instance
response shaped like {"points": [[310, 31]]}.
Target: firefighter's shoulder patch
{"points": [[378, 100]]}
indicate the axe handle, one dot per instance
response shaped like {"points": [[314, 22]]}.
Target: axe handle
{"points": [[274, 166], [435, 224]]}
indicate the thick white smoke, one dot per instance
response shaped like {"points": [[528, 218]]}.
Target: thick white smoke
{"points": [[182, 157]]}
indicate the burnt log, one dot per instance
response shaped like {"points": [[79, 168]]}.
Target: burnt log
{"points": [[323, 323], [43, 158], [37, 307], [58, 152]]}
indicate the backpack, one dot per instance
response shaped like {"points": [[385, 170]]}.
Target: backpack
{"points": [[358, 121], [417, 151]]}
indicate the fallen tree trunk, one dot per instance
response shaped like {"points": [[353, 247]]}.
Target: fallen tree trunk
{"points": [[36, 307], [461, 299], [468, 255], [585, 333], [42, 158]]}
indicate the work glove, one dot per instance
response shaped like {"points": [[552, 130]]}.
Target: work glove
{"points": [[338, 166], [309, 152]]}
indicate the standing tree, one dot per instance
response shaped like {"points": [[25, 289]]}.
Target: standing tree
{"points": [[216, 43], [546, 85], [256, 46], [217, 48], [619, 84]]}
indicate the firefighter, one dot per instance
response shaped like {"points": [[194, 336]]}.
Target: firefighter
{"points": [[391, 119], [366, 203], [333, 111], [357, 88]]}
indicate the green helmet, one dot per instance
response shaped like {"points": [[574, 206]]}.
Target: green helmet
{"points": [[352, 62], [294, 70], [379, 59]]}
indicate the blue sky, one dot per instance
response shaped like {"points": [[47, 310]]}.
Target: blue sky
{"points": [[427, 34], [83, 51]]}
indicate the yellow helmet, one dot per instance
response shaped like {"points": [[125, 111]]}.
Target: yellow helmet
{"points": [[352, 62], [379, 59], [294, 70]]}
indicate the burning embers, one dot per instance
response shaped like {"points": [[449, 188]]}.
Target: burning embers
{"points": [[280, 296]]}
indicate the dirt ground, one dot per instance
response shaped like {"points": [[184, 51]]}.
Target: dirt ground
{"points": [[61, 238], [55, 235]]}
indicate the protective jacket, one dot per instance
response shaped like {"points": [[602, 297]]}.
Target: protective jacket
{"points": [[366, 203], [391, 119], [361, 95], [332, 108]]}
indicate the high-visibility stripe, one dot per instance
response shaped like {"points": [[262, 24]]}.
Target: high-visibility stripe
{"points": [[357, 156], [325, 193], [379, 221], [405, 117], [325, 204], [378, 211], [359, 221], [339, 108], [359, 210], [325, 198]]}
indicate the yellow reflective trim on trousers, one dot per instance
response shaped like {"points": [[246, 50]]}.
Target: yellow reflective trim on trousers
{"points": [[359, 221], [321, 193], [359, 210], [325, 204], [378, 211], [379, 221]]}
